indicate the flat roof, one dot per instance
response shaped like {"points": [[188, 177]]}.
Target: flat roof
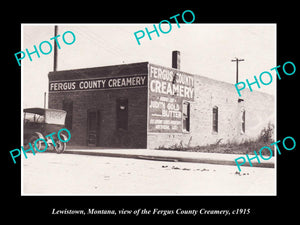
{"points": [[103, 71]]}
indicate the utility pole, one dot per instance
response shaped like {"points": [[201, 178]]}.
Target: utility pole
{"points": [[55, 49], [237, 67]]}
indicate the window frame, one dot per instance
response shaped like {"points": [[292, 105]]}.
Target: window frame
{"points": [[121, 125], [215, 120], [243, 121]]}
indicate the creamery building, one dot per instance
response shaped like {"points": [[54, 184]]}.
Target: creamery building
{"points": [[143, 105]]}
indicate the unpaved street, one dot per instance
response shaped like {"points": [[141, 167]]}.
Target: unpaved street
{"points": [[69, 174]]}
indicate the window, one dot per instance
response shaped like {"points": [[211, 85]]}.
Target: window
{"points": [[186, 116], [215, 119], [33, 117], [243, 121], [122, 113], [68, 107]]}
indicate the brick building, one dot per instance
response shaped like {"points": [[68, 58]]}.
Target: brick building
{"points": [[143, 105]]}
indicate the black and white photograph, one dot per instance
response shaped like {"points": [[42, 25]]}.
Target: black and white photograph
{"points": [[140, 115], [143, 111]]}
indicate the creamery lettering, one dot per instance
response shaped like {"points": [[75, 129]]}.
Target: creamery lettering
{"points": [[172, 83], [103, 83]]}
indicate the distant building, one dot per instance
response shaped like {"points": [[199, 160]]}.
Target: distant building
{"points": [[143, 105]]}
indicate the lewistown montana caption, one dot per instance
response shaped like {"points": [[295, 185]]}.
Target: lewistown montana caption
{"points": [[83, 212]]}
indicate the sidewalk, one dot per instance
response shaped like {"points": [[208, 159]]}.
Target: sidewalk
{"points": [[168, 155]]}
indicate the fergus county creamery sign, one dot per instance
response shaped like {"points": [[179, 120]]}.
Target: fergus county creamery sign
{"points": [[169, 91], [99, 83]]}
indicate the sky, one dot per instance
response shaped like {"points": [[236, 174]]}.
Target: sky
{"points": [[206, 50]]}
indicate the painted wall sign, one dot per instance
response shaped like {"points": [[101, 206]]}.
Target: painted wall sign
{"points": [[168, 89], [99, 83]]}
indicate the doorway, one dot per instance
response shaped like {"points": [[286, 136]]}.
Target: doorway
{"points": [[93, 127]]}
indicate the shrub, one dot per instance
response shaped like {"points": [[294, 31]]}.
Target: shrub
{"points": [[265, 138], [267, 134]]}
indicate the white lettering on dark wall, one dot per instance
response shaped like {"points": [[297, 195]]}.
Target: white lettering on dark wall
{"points": [[98, 84]]}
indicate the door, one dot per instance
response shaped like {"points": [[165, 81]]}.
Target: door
{"points": [[93, 128]]}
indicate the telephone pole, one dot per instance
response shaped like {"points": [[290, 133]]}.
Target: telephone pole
{"points": [[237, 67], [55, 49]]}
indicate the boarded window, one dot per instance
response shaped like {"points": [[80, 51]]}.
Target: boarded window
{"points": [[68, 107], [215, 119], [186, 116], [122, 113]]}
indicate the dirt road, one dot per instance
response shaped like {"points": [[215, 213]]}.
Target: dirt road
{"points": [[69, 174]]}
